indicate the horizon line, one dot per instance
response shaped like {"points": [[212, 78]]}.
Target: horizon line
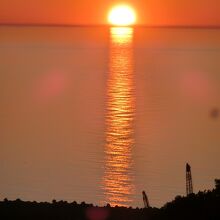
{"points": [[108, 25]]}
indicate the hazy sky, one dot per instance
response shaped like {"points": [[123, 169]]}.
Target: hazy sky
{"points": [[151, 12]]}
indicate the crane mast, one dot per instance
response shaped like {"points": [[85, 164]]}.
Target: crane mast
{"points": [[189, 184], [146, 201]]}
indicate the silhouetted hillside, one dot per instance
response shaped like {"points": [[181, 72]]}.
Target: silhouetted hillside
{"points": [[203, 205]]}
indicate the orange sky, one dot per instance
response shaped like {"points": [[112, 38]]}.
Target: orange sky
{"points": [[150, 12]]}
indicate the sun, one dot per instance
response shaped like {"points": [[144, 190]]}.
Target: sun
{"points": [[122, 15]]}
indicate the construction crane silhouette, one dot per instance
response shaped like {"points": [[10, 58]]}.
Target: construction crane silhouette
{"points": [[146, 201], [189, 184]]}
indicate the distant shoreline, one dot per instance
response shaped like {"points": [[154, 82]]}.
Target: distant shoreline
{"points": [[107, 26]]}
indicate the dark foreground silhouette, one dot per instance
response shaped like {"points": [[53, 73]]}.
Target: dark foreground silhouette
{"points": [[202, 206]]}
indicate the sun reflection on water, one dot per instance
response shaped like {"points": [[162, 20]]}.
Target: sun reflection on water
{"points": [[118, 177]]}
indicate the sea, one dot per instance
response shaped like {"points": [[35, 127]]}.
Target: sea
{"points": [[100, 114]]}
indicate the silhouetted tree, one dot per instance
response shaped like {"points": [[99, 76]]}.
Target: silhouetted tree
{"points": [[217, 184]]}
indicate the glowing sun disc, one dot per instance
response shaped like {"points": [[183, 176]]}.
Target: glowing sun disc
{"points": [[122, 15]]}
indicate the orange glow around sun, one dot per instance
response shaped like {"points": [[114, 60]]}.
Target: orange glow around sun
{"points": [[122, 15]]}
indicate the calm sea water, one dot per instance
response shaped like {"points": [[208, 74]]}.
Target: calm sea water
{"points": [[101, 114]]}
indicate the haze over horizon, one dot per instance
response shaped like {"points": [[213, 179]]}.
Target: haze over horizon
{"points": [[150, 13]]}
